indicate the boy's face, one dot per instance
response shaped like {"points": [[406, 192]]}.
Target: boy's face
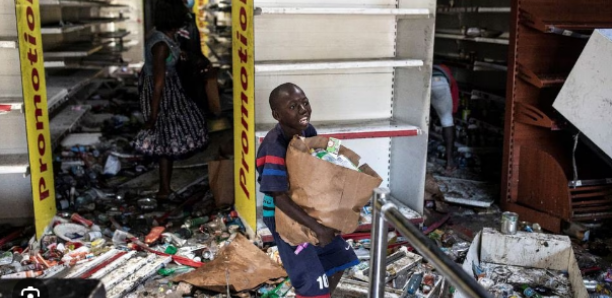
{"points": [[293, 110]]}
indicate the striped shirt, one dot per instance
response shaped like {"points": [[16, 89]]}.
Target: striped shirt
{"points": [[271, 165]]}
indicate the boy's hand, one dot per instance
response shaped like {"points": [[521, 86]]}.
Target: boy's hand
{"points": [[325, 235]]}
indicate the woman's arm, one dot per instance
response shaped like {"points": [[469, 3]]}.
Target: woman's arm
{"points": [[160, 53]]}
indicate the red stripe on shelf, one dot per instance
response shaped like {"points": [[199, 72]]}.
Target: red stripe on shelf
{"points": [[372, 134], [6, 108]]}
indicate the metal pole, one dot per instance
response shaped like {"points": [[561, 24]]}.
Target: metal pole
{"points": [[378, 264], [429, 250]]}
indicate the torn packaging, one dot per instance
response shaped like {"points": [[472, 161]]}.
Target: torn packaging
{"points": [[331, 194], [241, 265]]}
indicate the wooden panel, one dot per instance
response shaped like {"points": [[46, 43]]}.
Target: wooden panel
{"points": [[334, 96], [543, 184]]}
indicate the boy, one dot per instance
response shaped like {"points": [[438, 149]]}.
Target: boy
{"points": [[309, 270]]}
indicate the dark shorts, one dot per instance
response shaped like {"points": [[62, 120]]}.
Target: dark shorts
{"points": [[309, 270]]}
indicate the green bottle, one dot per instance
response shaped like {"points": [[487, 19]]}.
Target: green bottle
{"points": [[280, 291], [529, 292]]}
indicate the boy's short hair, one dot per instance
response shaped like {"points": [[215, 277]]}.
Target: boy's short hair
{"points": [[276, 93], [170, 15]]}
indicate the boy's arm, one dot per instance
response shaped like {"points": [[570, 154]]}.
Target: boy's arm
{"points": [[285, 204]]}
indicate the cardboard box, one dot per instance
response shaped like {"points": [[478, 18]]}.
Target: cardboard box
{"points": [[534, 250]]}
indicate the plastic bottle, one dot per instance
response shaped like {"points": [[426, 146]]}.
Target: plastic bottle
{"points": [[280, 291], [196, 222], [414, 283], [529, 292]]}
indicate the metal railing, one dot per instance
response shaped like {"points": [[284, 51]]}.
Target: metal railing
{"points": [[382, 211]]}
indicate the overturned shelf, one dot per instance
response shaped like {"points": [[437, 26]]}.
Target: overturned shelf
{"points": [[475, 9], [65, 121], [565, 28], [14, 163], [474, 39], [357, 129], [342, 11], [8, 104], [541, 80], [528, 114], [277, 66], [8, 42]]}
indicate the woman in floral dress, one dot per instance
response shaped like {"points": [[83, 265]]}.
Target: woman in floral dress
{"points": [[175, 126]]}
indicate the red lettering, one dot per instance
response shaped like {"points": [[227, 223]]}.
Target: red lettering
{"points": [[41, 144], [243, 184], [32, 57], [242, 54], [30, 18], [245, 145], [244, 78], [38, 112], [242, 38], [43, 166], [35, 79], [243, 19], [43, 192]]}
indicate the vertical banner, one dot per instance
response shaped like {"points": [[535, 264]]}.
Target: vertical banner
{"points": [[244, 110], [36, 112]]}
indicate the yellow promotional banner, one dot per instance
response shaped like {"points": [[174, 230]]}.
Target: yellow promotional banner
{"points": [[36, 112], [244, 110]]}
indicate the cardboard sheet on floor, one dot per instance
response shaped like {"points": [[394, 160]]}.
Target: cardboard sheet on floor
{"points": [[467, 192], [241, 265]]}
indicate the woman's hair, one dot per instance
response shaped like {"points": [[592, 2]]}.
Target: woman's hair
{"points": [[170, 14]]}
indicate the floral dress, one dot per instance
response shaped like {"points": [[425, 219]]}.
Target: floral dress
{"points": [[180, 127]]}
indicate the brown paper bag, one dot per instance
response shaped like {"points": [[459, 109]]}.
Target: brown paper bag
{"points": [[332, 194], [221, 180]]}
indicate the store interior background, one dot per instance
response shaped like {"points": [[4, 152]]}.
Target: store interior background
{"points": [[92, 53]]}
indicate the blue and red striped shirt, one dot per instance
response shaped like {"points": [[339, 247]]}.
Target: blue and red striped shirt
{"points": [[271, 164]]}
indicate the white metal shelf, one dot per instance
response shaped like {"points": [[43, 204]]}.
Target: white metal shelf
{"points": [[65, 121], [474, 39], [342, 11], [14, 163], [80, 3], [455, 10], [11, 104], [86, 23], [277, 66], [59, 88], [73, 50], [356, 129], [8, 42]]}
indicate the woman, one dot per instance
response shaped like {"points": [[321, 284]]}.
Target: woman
{"points": [[174, 124]]}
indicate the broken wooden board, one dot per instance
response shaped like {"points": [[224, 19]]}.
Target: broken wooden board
{"points": [[467, 192]]}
